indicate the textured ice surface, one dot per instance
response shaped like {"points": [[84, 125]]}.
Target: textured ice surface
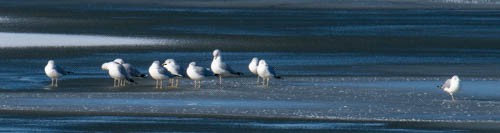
{"points": [[333, 98]]}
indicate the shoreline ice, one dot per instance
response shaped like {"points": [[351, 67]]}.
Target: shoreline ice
{"points": [[20, 40]]}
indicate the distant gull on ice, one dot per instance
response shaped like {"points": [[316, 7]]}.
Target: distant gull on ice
{"points": [[157, 72], [54, 72], [117, 72], [220, 68], [197, 73], [451, 86], [174, 70], [253, 67], [266, 71], [131, 70]]}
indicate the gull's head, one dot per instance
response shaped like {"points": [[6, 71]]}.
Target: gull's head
{"points": [[169, 61], [50, 62], [105, 66], [262, 62], [455, 78], [156, 62], [216, 53], [255, 60], [192, 64], [119, 61]]}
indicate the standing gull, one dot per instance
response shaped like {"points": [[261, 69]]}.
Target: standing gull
{"points": [[220, 68], [451, 86], [117, 72], [157, 72], [253, 67], [266, 71], [174, 70], [197, 73], [131, 70], [54, 72]]}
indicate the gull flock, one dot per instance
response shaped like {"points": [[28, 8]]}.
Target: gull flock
{"points": [[123, 73]]}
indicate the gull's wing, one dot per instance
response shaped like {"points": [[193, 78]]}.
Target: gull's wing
{"points": [[124, 72], [446, 84], [199, 70], [271, 70], [178, 71], [164, 71], [203, 71], [132, 70], [228, 68], [61, 70]]}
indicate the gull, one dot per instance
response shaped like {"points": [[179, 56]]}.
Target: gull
{"points": [[117, 72], [174, 70], [266, 71], [253, 67], [54, 72], [197, 73], [451, 86], [220, 68], [157, 72], [131, 70]]}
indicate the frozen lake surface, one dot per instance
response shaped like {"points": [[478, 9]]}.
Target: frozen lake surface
{"points": [[363, 70]]}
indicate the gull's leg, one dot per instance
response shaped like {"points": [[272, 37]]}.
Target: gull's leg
{"points": [[161, 84], [170, 82], [56, 82], [263, 82], [258, 79], [194, 83], [114, 82], [267, 82], [156, 84], [51, 81], [220, 80], [452, 98], [199, 83], [176, 82]]}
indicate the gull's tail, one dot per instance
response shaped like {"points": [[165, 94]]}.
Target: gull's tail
{"points": [[238, 73], [131, 80]]}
